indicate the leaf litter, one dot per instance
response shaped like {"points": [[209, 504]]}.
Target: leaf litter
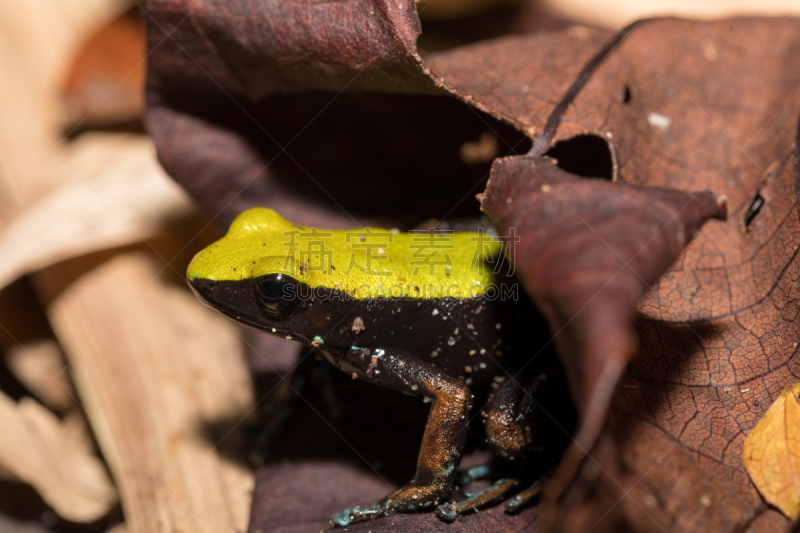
{"points": [[662, 446]]}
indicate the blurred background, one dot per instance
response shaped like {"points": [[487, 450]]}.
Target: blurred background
{"points": [[122, 400]]}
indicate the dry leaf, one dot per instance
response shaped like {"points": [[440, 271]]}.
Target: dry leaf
{"points": [[162, 382], [716, 337], [772, 453], [38, 42], [38, 449], [208, 102], [115, 184], [39, 365], [122, 196], [611, 242], [615, 13], [679, 105], [106, 83]]}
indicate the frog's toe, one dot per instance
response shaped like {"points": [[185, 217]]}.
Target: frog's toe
{"points": [[405, 500], [344, 518], [450, 511], [526, 496], [348, 516]]}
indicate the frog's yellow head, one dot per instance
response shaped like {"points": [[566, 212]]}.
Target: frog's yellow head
{"points": [[258, 242], [294, 280], [251, 275], [364, 263]]}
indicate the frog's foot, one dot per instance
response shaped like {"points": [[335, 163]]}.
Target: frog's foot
{"points": [[526, 496], [444, 437], [348, 516], [407, 499], [450, 511]]}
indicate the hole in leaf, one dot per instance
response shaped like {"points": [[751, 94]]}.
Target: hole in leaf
{"points": [[753, 210], [627, 97], [584, 155]]}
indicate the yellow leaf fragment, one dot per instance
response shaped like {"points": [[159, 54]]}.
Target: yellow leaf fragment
{"points": [[772, 453]]}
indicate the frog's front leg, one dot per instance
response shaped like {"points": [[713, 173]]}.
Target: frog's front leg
{"points": [[445, 433], [510, 433]]}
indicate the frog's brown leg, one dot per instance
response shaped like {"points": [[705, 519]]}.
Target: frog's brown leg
{"points": [[509, 433], [445, 433], [507, 419], [450, 511]]}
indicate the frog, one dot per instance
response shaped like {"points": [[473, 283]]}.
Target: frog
{"points": [[424, 313]]}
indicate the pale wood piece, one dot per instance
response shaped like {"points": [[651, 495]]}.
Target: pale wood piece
{"points": [[153, 370], [122, 196], [7, 475], [37, 42], [119, 528], [40, 450], [156, 374], [615, 14], [39, 365]]}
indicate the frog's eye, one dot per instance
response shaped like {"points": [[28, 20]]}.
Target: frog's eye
{"points": [[276, 294]]}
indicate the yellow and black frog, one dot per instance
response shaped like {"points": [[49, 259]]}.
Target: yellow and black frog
{"points": [[423, 313]]}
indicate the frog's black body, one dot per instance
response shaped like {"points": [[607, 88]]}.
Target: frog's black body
{"points": [[473, 338], [445, 349]]}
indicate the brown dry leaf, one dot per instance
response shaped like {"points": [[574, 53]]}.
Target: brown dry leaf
{"points": [[715, 341], [772, 453], [679, 105], [611, 242], [223, 75]]}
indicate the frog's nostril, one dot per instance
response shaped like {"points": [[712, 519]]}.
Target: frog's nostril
{"points": [[276, 294]]}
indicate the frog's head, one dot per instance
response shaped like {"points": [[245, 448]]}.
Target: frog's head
{"points": [[254, 275]]}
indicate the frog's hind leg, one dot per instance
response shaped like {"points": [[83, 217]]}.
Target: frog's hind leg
{"points": [[508, 419], [510, 433], [445, 433]]}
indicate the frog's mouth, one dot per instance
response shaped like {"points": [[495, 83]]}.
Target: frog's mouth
{"points": [[253, 303]]}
